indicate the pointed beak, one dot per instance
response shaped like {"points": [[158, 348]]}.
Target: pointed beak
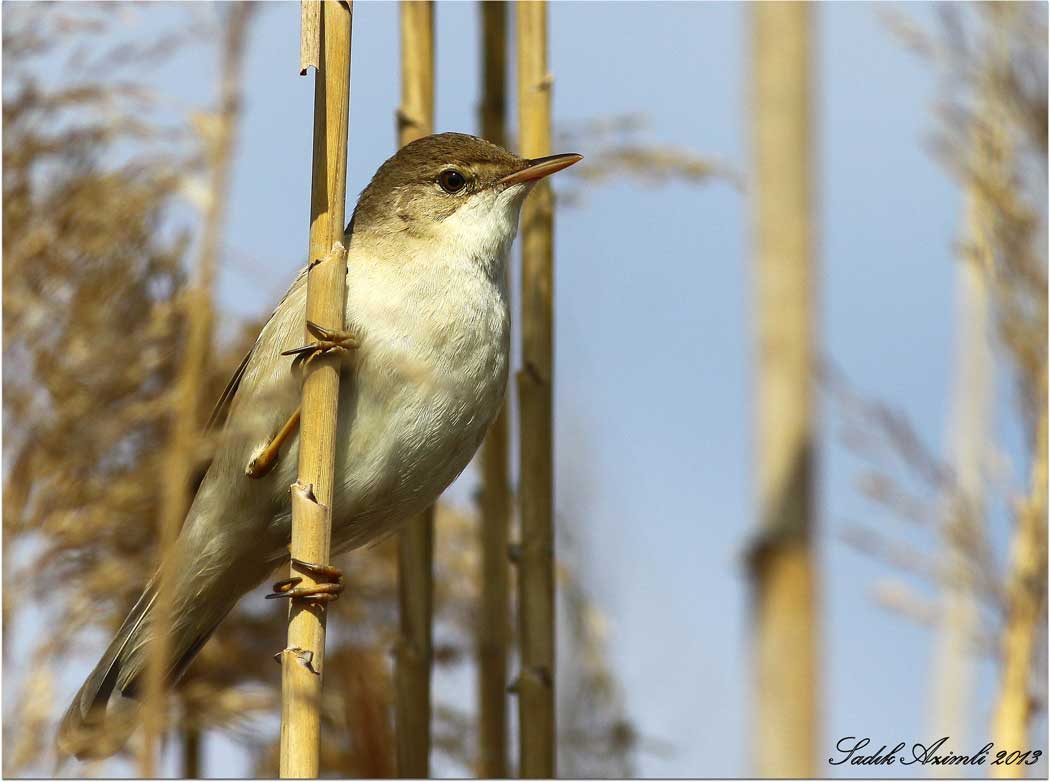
{"points": [[540, 167]]}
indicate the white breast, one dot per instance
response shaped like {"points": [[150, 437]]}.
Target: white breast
{"points": [[430, 377]]}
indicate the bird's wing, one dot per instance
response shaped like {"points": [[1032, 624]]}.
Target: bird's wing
{"points": [[222, 406]]}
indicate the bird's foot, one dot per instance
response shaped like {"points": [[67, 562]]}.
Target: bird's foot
{"points": [[329, 588], [329, 341]]}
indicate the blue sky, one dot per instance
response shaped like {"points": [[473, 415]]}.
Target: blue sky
{"points": [[653, 330]]}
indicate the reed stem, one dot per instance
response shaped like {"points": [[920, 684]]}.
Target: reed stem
{"points": [[303, 658]]}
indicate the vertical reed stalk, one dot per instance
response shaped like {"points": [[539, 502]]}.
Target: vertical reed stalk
{"points": [[415, 119], [1026, 582], [783, 561], [303, 659], [185, 428], [1025, 612], [366, 706], [412, 676], [192, 748], [954, 662], [535, 684], [493, 629], [963, 529]]}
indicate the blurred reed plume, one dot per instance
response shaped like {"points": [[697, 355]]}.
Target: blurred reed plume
{"points": [[992, 138], [99, 167], [89, 325], [617, 149], [217, 132]]}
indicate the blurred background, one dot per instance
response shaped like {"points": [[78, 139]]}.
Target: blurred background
{"points": [[925, 529]]}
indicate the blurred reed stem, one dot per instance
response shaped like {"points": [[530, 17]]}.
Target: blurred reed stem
{"points": [[415, 119], [303, 659], [185, 432], [964, 529], [367, 714], [1026, 611], [192, 750], [1026, 579], [782, 565], [493, 627], [414, 648], [535, 684]]}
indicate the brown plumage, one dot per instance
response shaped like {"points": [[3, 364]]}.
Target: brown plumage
{"points": [[395, 188]]}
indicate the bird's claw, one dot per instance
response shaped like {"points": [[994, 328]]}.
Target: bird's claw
{"points": [[328, 341], [329, 588]]}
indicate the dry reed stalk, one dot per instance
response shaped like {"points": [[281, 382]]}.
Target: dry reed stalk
{"points": [[535, 684], [303, 658], [367, 713], [782, 565], [415, 116], [493, 628], [997, 161], [964, 529], [415, 119], [191, 751], [415, 559], [185, 416], [1026, 610]]}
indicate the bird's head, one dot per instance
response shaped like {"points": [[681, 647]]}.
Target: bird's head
{"points": [[458, 191]]}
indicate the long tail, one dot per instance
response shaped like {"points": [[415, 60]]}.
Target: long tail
{"points": [[103, 713]]}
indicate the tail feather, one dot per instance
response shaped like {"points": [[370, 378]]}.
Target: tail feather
{"points": [[90, 728], [101, 717]]}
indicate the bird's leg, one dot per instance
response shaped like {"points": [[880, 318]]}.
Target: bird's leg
{"points": [[267, 458], [328, 341], [329, 588]]}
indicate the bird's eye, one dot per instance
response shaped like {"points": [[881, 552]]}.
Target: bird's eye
{"points": [[451, 181]]}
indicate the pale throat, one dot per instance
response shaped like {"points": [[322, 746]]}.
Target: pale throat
{"points": [[481, 231]]}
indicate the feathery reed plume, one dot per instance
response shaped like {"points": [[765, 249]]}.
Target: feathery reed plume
{"points": [[415, 541], [781, 562], [595, 738], [303, 658], [535, 683], [85, 406], [493, 625], [184, 443], [993, 139], [1026, 612], [965, 520], [1011, 136]]}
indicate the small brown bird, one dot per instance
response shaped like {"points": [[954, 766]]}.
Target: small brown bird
{"points": [[427, 329]]}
